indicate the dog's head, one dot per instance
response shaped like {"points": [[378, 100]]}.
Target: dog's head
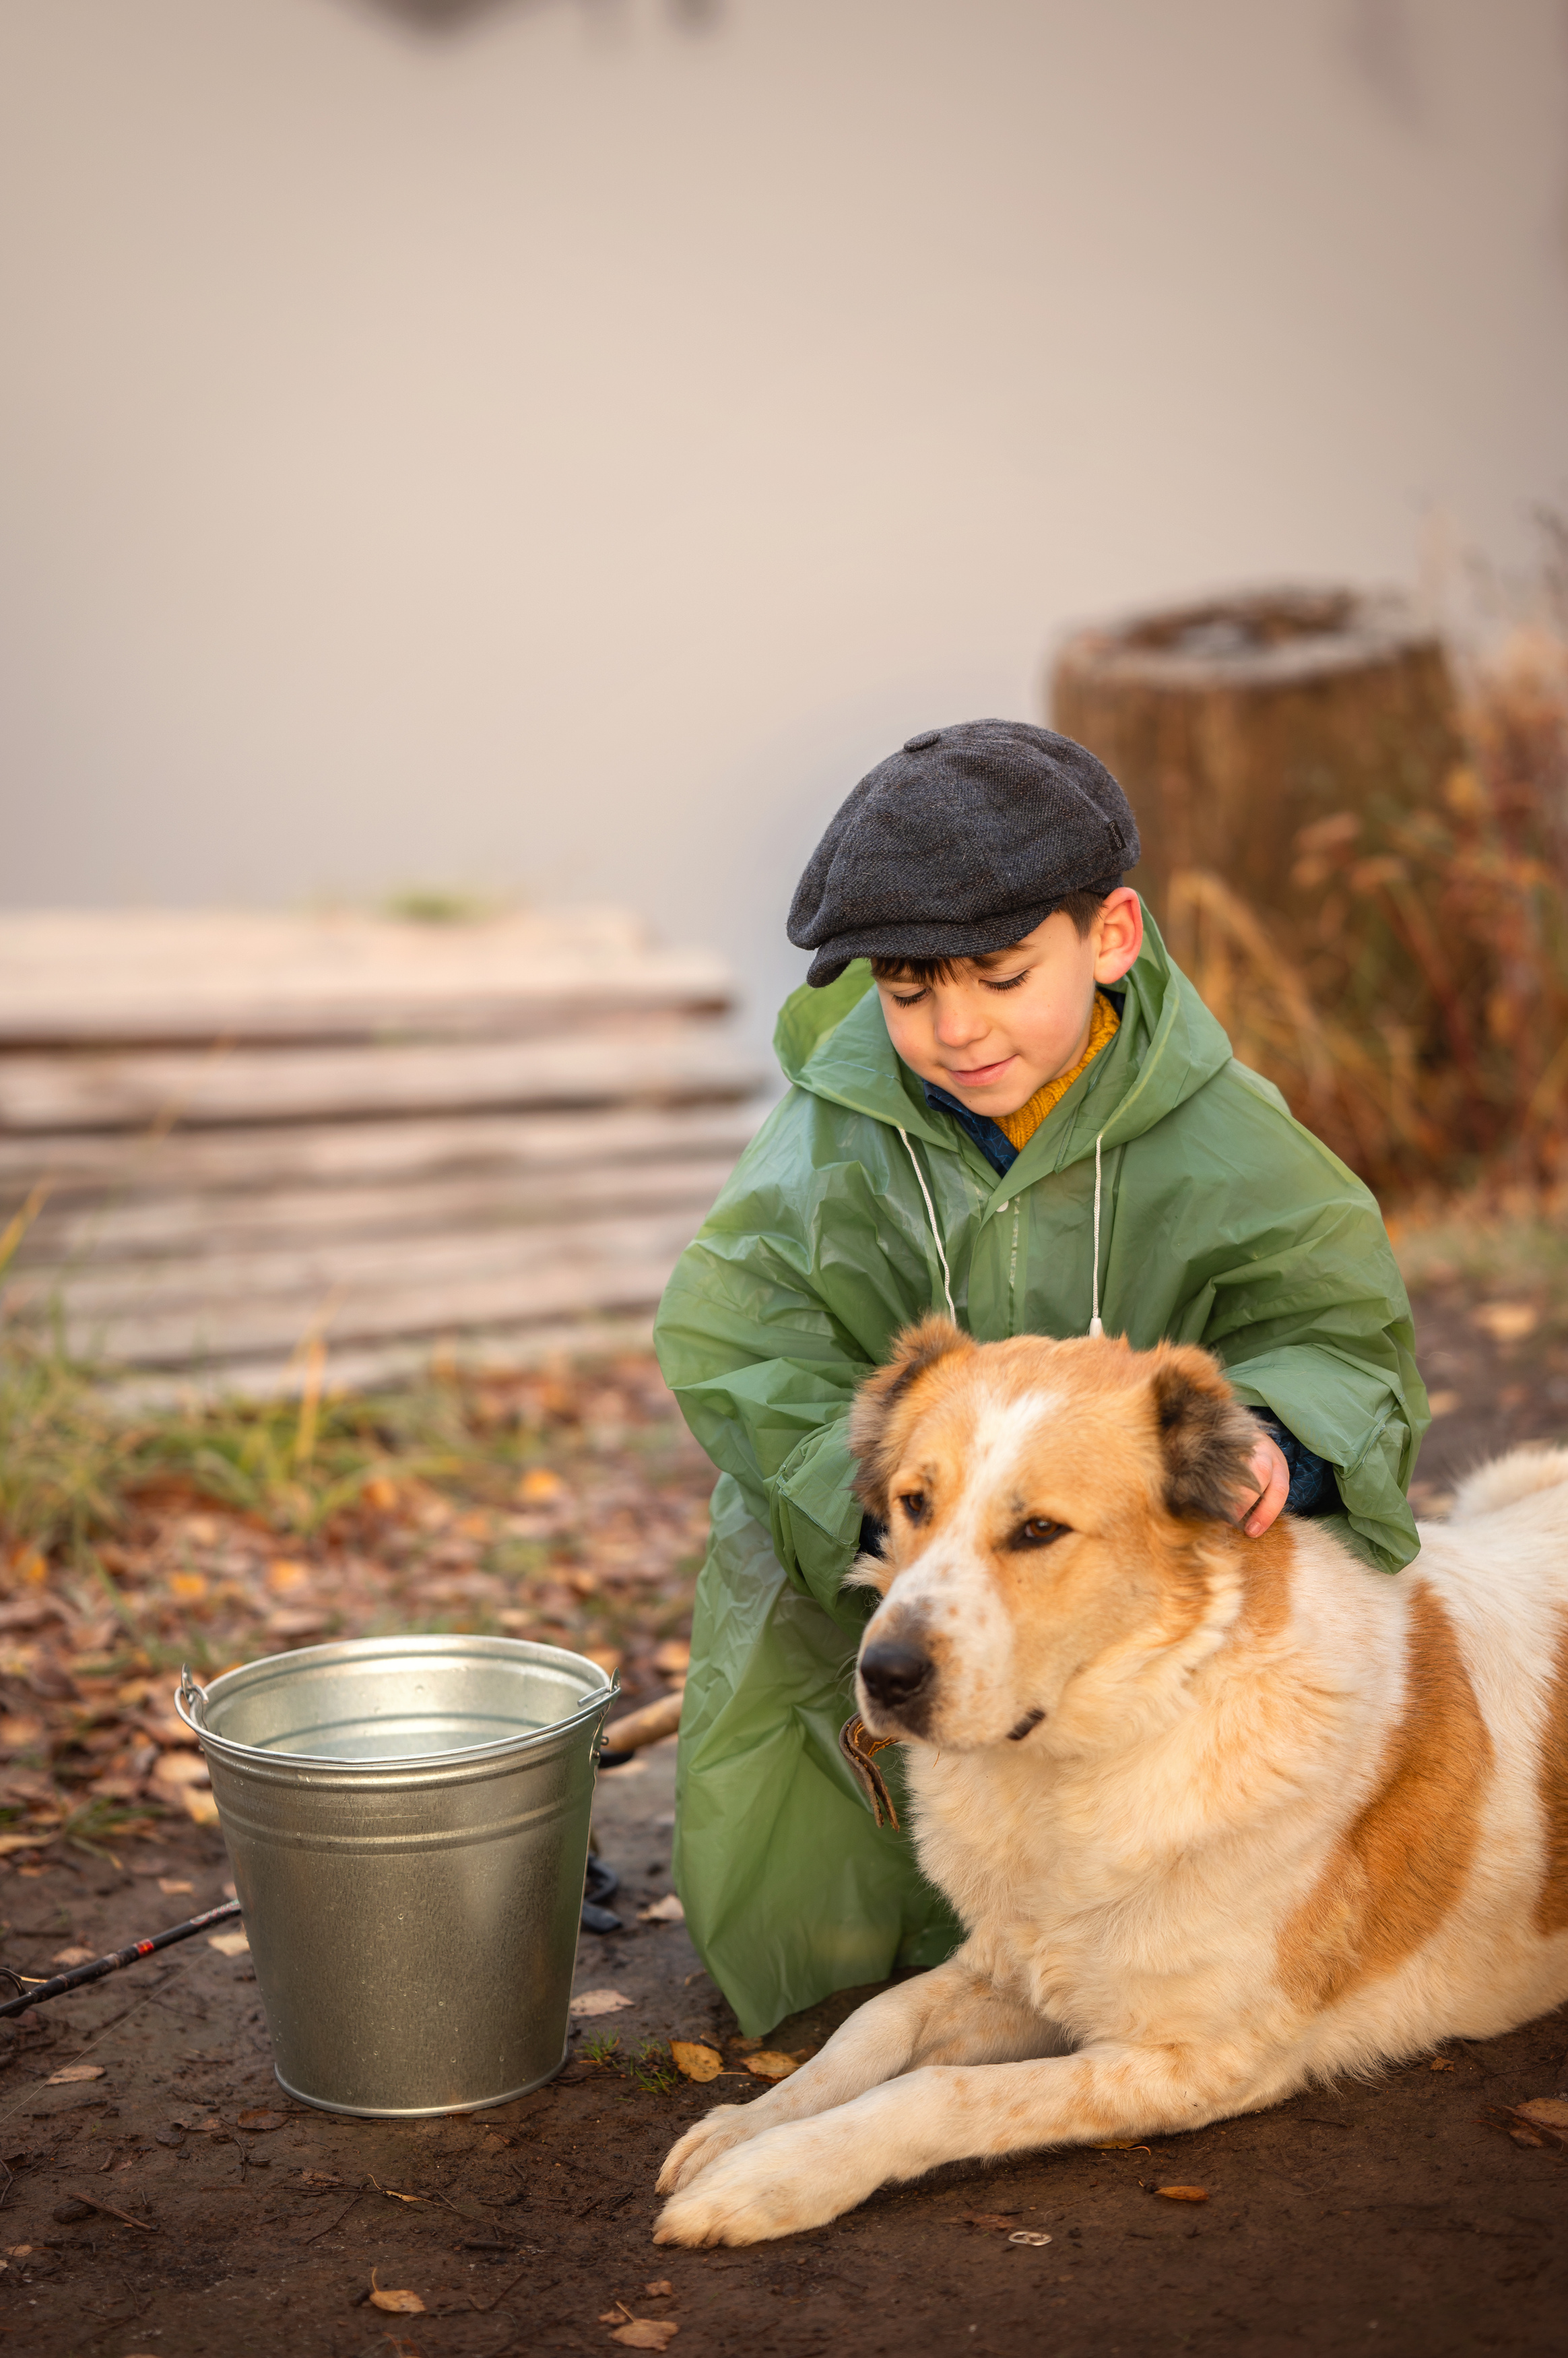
{"points": [[1049, 1507]]}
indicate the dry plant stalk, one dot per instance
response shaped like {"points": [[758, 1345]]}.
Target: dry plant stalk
{"points": [[1417, 1020]]}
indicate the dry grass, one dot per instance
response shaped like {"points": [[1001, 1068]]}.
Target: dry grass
{"points": [[1417, 1017]]}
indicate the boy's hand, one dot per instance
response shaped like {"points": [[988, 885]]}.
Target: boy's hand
{"points": [[1270, 1481]]}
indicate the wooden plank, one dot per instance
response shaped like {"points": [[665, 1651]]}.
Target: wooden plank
{"points": [[131, 1089], [361, 1366], [172, 975], [368, 1152], [161, 1314], [191, 1227]]}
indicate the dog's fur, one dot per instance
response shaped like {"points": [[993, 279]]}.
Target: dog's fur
{"points": [[1221, 1815]]}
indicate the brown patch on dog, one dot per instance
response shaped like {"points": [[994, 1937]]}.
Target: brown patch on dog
{"points": [[1206, 1437], [884, 1405], [1551, 1903], [1266, 1566], [1401, 1865]]}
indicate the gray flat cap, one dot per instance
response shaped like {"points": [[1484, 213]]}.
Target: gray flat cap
{"points": [[962, 841]]}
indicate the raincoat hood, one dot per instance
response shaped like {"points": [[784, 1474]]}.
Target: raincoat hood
{"points": [[835, 1042]]}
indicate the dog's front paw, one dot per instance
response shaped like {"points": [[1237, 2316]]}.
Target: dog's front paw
{"points": [[718, 2132], [772, 2186]]}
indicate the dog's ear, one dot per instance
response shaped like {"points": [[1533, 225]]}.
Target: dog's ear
{"points": [[1206, 1437], [878, 1421]]}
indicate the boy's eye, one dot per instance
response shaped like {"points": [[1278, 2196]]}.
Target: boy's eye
{"points": [[1037, 1532], [913, 1505], [913, 999], [1011, 983]]}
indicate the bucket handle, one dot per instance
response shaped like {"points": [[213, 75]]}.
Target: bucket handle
{"points": [[191, 1701]]}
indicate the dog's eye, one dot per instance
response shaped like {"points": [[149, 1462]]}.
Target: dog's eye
{"points": [[913, 1505], [1037, 1533]]}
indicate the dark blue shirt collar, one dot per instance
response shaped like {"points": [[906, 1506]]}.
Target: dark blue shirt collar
{"points": [[989, 1136]]}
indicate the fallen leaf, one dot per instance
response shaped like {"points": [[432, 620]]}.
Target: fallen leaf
{"points": [[1548, 2111], [661, 2288], [673, 1658], [767, 2065], [229, 1945], [36, 1841], [319, 2178], [538, 1486], [1440, 2063], [189, 1586], [599, 2001], [180, 1768], [668, 1910], [260, 2118], [73, 1956], [1506, 1322], [173, 1889], [381, 1494], [1183, 2193], [646, 2334], [72, 2072], [297, 1621], [284, 1575], [616, 2315], [1443, 1404], [695, 2061], [401, 2304], [19, 1731], [199, 1805]]}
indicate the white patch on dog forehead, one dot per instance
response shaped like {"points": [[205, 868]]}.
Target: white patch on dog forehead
{"points": [[1002, 1428]]}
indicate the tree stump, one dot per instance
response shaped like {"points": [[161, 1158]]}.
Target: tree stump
{"points": [[1234, 724]]}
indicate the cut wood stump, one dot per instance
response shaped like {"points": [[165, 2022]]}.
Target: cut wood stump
{"points": [[252, 1132], [1234, 724]]}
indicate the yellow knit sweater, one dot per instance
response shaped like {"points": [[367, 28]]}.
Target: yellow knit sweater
{"points": [[1020, 1126]]}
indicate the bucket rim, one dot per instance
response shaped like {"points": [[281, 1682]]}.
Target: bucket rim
{"points": [[191, 1699]]}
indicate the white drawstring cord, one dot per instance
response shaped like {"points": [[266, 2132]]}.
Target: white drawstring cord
{"points": [[931, 1210], [1095, 1326]]}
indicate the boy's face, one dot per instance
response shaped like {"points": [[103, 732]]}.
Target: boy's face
{"points": [[1014, 1019]]}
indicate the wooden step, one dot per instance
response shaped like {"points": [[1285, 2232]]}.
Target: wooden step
{"points": [[153, 1313], [369, 1153], [128, 1090], [195, 975]]}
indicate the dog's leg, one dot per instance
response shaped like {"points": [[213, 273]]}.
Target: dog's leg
{"points": [[949, 2016], [801, 2173]]}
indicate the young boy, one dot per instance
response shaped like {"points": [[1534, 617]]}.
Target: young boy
{"points": [[1007, 1104]]}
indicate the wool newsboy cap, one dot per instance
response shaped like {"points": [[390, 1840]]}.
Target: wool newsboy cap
{"points": [[962, 841]]}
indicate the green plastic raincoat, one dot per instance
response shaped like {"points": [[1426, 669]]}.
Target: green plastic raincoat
{"points": [[1223, 1222]]}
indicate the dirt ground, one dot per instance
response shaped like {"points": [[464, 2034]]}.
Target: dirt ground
{"points": [[1397, 2214]]}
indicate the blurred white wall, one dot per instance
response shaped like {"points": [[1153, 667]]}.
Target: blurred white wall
{"points": [[561, 453]]}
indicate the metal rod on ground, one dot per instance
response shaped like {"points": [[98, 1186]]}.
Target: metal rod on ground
{"points": [[119, 1959]]}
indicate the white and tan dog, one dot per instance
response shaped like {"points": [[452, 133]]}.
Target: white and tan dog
{"points": [[1220, 1815]]}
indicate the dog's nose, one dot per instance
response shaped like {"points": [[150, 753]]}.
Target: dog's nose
{"points": [[895, 1672]]}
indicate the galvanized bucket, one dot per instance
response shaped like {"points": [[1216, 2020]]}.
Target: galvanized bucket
{"points": [[409, 1824]]}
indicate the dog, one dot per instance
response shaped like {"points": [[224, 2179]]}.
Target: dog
{"points": [[1221, 1815]]}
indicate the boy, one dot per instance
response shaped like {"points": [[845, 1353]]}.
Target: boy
{"points": [[1007, 1104]]}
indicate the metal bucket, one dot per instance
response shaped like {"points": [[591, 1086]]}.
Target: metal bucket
{"points": [[409, 1824]]}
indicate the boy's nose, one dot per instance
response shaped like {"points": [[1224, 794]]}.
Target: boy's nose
{"points": [[960, 1027]]}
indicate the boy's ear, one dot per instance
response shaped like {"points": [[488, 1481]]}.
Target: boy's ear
{"points": [[1206, 1437], [885, 1402]]}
